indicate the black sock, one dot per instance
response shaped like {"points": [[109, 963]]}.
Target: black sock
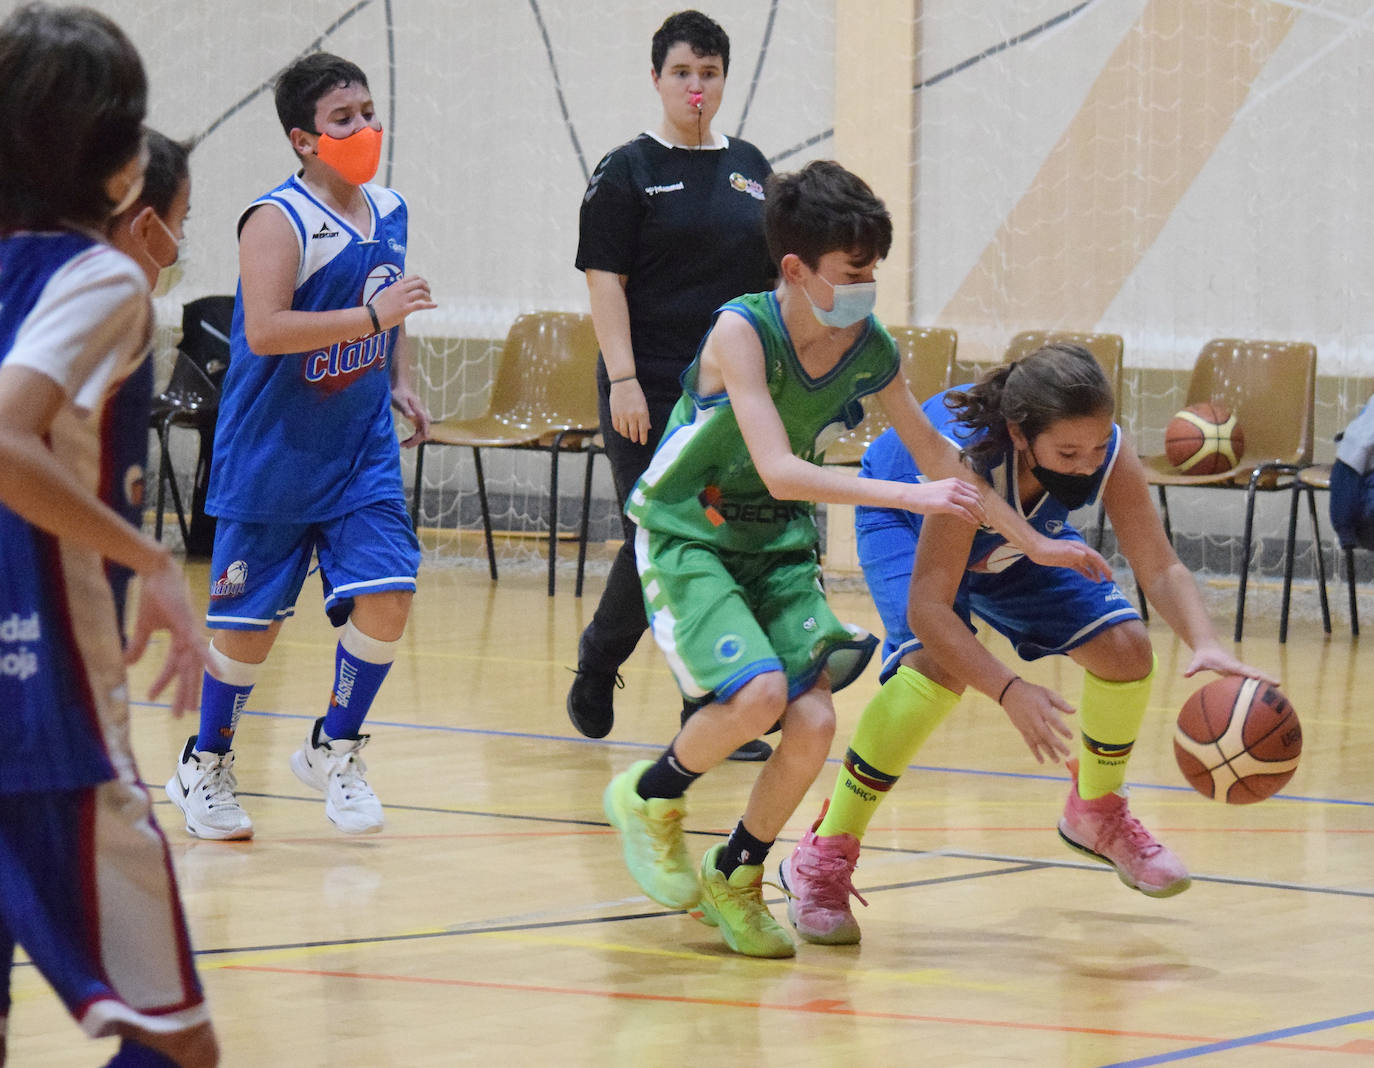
{"points": [[742, 848], [667, 778]]}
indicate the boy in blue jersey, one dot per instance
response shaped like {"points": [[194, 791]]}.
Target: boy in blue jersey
{"points": [[86, 884], [306, 459], [1041, 431], [726, 541]]}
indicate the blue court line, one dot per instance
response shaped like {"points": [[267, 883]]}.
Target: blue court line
{"points": [[1248, 1040], [1030, 776]]}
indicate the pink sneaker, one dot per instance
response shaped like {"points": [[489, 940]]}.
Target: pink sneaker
{"points": [[817, 878], [1104, 830]]}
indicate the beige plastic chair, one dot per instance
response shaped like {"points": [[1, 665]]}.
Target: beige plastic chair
{"points": [[544, 398], [1106, 349], [1271, 387], [928, 361]]}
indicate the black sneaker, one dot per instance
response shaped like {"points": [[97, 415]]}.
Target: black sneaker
{"points": [[591, 702], [750, 752], [757, 750]]}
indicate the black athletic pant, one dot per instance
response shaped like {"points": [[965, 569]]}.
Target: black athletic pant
{"points": [[619, 621]]}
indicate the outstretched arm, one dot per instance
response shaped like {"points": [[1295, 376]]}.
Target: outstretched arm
{"points": [[734, 354], [1166, 583], [938, 457]]}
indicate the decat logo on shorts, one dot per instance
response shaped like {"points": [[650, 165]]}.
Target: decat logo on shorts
{"points": [[233, 582], [21, 663]]}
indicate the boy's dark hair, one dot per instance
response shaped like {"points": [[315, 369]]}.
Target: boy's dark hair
{"points": [[1058, 381], [823, 208], [300, 86], [169, 165], [72, 99], [701, 32]]}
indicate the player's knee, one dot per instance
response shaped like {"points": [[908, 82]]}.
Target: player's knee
{"points": [[762, 701], [1128, 652]]}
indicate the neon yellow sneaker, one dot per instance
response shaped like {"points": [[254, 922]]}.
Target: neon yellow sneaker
{"points": [[651, 839], [735, 905]]}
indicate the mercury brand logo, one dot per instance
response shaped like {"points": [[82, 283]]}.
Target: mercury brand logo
{"points": [[323, 232]]}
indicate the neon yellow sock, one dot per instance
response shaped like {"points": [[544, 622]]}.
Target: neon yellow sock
{"points": [[894, 725], [1109, 716]]}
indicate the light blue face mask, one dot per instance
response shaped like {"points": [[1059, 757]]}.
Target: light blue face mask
{"points": [[853, 302]]}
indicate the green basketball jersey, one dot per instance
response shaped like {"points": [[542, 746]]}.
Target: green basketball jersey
{"points": [[702, 483]]}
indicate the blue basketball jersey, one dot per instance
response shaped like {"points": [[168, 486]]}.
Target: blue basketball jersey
{"points": [[888, 458], [76, 311], [308, 436]]}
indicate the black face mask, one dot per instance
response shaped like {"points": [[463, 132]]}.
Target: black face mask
{"points": [[1072, 491]]}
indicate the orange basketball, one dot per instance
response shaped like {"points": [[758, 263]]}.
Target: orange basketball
{"points": [[1204, 439], [1238, 740]]}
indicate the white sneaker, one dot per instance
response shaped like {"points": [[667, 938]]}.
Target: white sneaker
{"points": [[203, 788], [336, 770]]}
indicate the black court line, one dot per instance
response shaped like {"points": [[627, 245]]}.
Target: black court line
{"points": [[266, 86], [758, 66], [1010, 42], [558, 90]]}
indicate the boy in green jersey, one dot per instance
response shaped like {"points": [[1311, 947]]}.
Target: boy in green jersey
{"points": [[726, 541]]}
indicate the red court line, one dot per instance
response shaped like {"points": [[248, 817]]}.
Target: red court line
{"points": [[817, 1006]]}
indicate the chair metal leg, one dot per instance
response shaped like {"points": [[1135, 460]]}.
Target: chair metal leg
{"points": [[553, 509], [419, 483], [1350, 585], [486, 514], [1245, 551], [161, 483], [1289, 550], [1321, 560], [586, 520]]}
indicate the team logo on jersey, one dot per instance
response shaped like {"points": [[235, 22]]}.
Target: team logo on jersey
{"points": [[729, 648], [20, 663], [378, 279], [1053, 526], [232, 583], [742, 184], [324, 232], [708, 499]]}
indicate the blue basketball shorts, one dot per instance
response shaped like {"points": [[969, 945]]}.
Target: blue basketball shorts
{"points": [[722, 618], [257, 569], [1040, 610], [86, 887]]}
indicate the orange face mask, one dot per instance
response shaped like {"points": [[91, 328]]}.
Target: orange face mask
{"points": [[355, 157]]}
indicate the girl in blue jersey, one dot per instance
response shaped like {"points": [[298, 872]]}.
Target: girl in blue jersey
{"points": [[86, 883], [306, 459], [1041, 431]]}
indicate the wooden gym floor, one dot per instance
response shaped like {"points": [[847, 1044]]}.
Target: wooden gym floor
{"points": [[492, 922]]}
